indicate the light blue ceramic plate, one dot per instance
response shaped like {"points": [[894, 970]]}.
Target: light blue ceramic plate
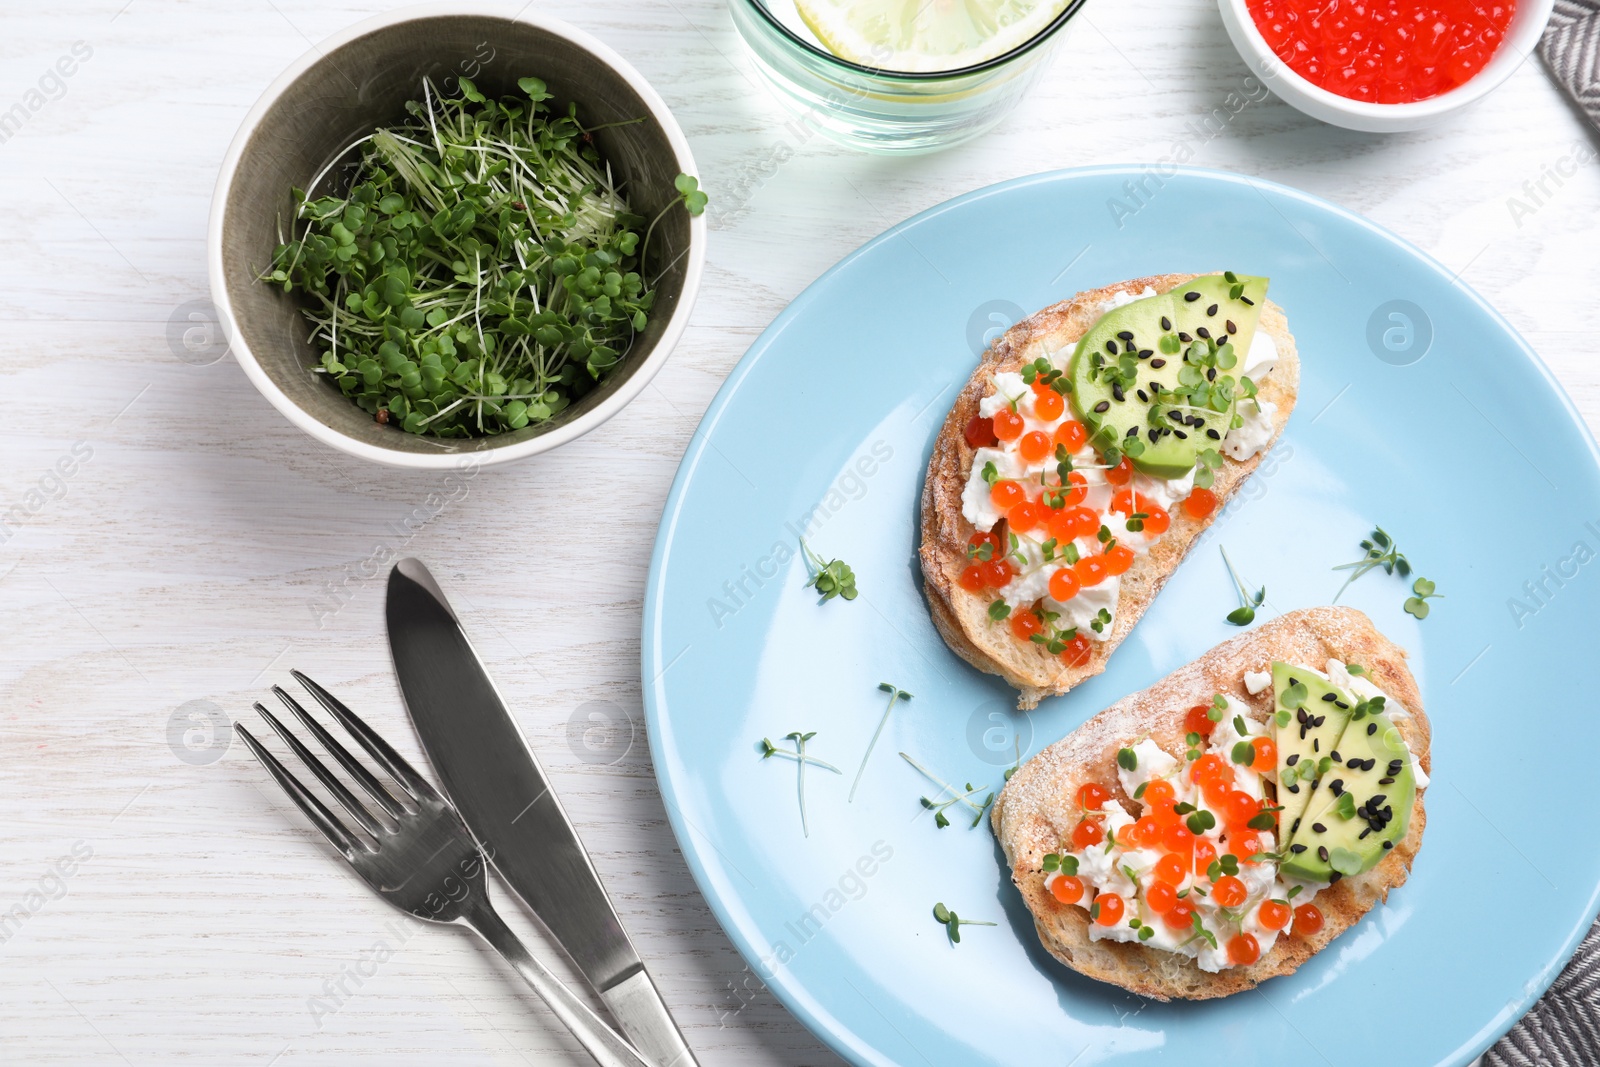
{"points": [[1420, 410]]}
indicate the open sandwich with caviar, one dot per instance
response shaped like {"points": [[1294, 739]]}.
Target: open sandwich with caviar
{"points": [[1222, 826], [1093, 444]]}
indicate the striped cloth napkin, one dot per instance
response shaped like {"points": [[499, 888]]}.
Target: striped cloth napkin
{"points": [[1563, 1029], [1571, 48]]}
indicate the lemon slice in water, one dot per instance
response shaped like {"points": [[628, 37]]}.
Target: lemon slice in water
{"points": [[925, 35]]}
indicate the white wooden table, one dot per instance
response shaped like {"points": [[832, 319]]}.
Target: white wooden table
{"points": [[171, 540]]}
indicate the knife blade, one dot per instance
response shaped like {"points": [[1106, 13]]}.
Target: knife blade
{"points": [[494, 779]]}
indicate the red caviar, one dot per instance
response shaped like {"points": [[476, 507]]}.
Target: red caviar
{"points": [[1229, 892], [1007, 424], [1118, 559], [980, 432], [997, 573], [1108, 909], [1092, 796], [1200, 503], [1169, 869], [1274, 916], [1121, 474], [1244, 950], [1025, 624], [1266, 754], [1076, 654], [1091, 571], [1384, 51], [1064, 584], [1034, 446], [1047, 404], [972, 578], [1007, 494], [1198, 721], [1307, 919], [1072, 434], [1067, 889], [1180, 917], [1026, 515], [1161, 897], [1086, 833]]}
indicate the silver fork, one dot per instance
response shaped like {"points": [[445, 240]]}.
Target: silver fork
{"points": [[422, 859]]}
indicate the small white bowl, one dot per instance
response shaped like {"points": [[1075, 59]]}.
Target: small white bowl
{"points": [[1522, 37], [361, 78]]}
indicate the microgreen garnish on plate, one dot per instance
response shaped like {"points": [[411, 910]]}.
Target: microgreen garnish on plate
{"points": [[1205, 468], [1127, 759], [1418, 605], [1380, 551], [768, 750], [896, 694], [939, 804], [478, 271], [952, 924], [1245, 613], [831, 578]]}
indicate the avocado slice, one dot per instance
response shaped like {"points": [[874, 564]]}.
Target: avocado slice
{"points": [[1136, 373], [1309, 719], [1362, 809]]}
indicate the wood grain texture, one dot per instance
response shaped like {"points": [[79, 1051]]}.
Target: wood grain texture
{"points": [[182, 559]]}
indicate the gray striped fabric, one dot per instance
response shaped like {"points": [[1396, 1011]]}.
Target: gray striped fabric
{"points": [[1563, 1029], [1571, 48]]}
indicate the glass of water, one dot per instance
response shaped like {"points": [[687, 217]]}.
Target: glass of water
{"points": [[885, 110]]}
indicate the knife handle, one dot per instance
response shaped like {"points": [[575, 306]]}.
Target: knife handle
{"points": [[601, 1042]]}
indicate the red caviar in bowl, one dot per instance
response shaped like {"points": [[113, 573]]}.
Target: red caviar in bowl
{"points": [[1384, 51]]}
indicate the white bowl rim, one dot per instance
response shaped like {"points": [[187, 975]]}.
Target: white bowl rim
{"points": [[1523, 43], [625, 393]]}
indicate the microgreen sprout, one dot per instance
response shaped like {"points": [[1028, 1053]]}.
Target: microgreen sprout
{"points": [[1418, 605], [478, 270], [953, 924], [1380, 551], [939, 804], [1245, 613], [768, 750], [895, 695], [831, 578]]}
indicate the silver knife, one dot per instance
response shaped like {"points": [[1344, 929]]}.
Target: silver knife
{"points": [[495, 781]]}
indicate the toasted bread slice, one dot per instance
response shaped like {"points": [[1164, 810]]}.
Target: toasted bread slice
{"points": [[962, 616], [1037, 810]]}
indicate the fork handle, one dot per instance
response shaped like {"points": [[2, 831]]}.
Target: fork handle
{"points": [[601, 1042]]}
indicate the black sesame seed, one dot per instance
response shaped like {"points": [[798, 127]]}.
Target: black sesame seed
{"points": [[1158, 363], [1294, 681], [1301, 716], [1180, 435], [1125, 335], [1372, 728], [1201, 331], [1319, 720], [1212, 310], [1388, 845], [1336, 757], [1293, 759], [1231, 327], [1174, 415], [1377, 801], [1166, 323], [1329, 697], [1319, 828], [1191, 297], [1214, 435], [1111, 346], [1102, 407], [1297, 849], [1316, 745], [1337, 787], [1341, 705], [1322, 853], [1211, 374], [1185, 338], [1294, 789], [1154, 434], [1334, 877], [1140, 393], [1363, 834], [1129, 346], [1296, 827], [1116, 393]]}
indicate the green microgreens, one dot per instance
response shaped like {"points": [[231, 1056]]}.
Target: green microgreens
{"points": [[999, 609], [1127, 759], [689, 195], [1346, 861], [1371, 706], [1381, 551], [1193, 740], [1294, 696], [1240, 727], [938, 806], [1354, 668], [1345, 806], [1200, 821], [1218, 708], [832, 578], [952, 924], [1042, 370], [1199, 928], [1266, 819], [1058, 862], [1227, 864], [768, 750], [478, 271], [990, 474], [1244, 753], [1055, 641], [1135, 522], [1418, 605], [896, 694], [1245, 613], [1294, 891], [1205, 468], [1101, 620], [1017, 741]]}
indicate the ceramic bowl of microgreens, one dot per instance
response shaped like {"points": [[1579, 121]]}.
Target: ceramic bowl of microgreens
{"points": [[455, 233]]}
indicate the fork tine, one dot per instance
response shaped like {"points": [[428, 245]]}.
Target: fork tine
{"points": [[376, 747], [331, 745], [347, 800], [320, 816]]}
